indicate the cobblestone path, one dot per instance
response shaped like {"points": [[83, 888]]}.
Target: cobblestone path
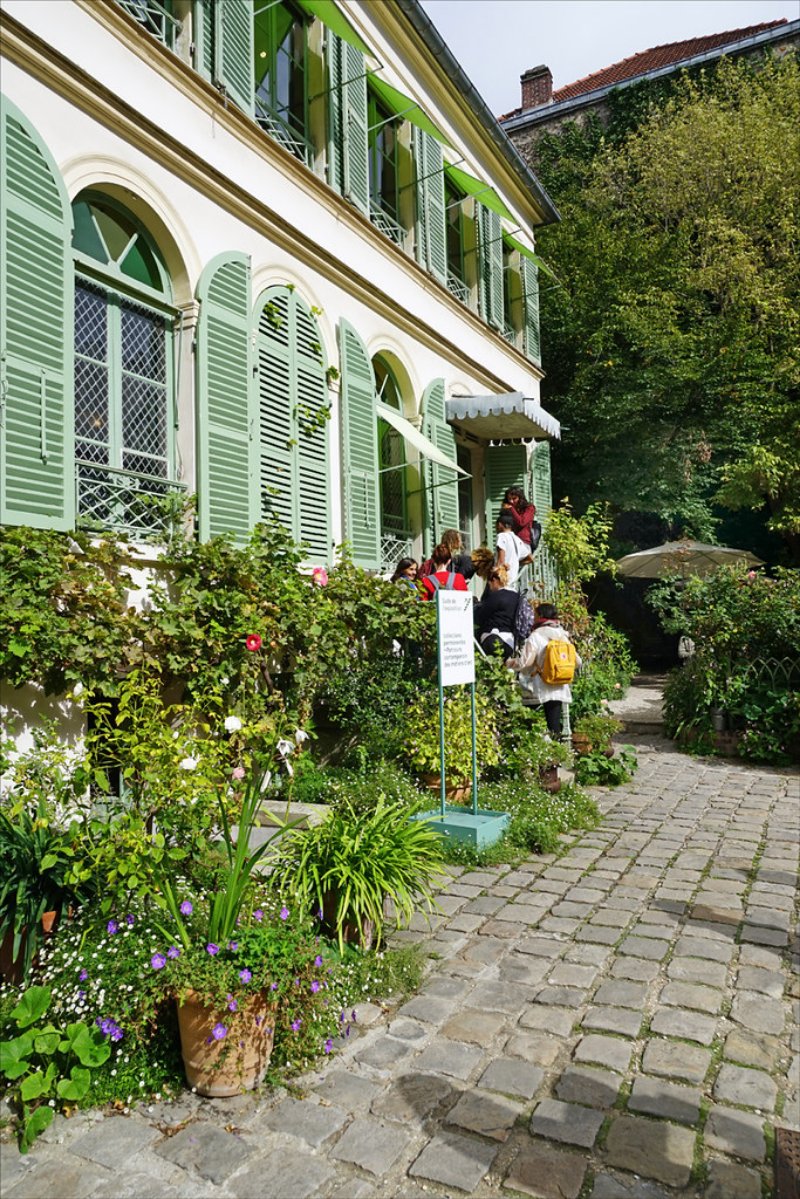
{"points": [[618, 1021]]}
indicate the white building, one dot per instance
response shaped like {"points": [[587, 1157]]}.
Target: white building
{"points": [[276, 253]]}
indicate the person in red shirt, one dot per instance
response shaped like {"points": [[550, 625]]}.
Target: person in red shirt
{"points": [[446, 578], [523, 512]]}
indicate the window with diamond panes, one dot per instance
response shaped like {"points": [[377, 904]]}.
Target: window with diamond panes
{"points": [[123, 371], [392, 461]]}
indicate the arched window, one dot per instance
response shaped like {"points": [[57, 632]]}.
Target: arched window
{"points": [[124, 388], [396, 535]]}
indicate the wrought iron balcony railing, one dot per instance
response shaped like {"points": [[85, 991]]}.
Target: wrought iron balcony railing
{"points": [[144, 507], [291, 139], [386, 223], [155, 18], [458, 288], [394, 547]]}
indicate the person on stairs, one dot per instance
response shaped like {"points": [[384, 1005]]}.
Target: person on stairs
{"points": [[547, 685], [443, 574]]}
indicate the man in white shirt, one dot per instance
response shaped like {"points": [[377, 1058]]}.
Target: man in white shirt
{"points": [[511, 551]]}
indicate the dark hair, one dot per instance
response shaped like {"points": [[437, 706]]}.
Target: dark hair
{"points": [[520, 495], [506, 518], [441, 555], [546, 612], [402, 567]]}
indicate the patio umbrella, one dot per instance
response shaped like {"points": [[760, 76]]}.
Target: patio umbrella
{"points": [[683, 557]]}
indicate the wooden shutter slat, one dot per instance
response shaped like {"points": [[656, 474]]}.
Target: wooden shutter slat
{"points": [[355, 181], [530, 282], [442, 494], [360, 449], [233, 51], [504, 467]]}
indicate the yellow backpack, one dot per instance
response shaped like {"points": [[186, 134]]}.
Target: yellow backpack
{"points": [[558, 666]]}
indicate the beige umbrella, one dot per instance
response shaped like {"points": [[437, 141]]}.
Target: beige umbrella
{"points": [[683, 557]]}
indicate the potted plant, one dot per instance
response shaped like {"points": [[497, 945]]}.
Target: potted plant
{"points": [[422, 746], [348, 866], [594, 731]]}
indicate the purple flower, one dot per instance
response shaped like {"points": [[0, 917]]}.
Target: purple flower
{"points": [[109, 1028], [328, 1046], [129, 920], [158, 961], [81, 994], [315, 986], [245, 975], [258, 914], [342, 1018], [112, 927], [347, 1031], [233, 1005], [233, 946], [274, 987], [319, 914], [296, 1025], [173, 952], [84, 974], [186, 908], [318, 960], [284, 913], [219, 1031], [353, 1016], [212, 949], [116, 1033]]}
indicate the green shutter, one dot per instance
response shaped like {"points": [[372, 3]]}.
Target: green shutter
{"points": [[530, 285], [335, 114], [491, 267], [441, 483], [359, 450], [292, 389], [37, 472], [431, 235], [504, 467], [233, 51], [542, 486], [225, 417], [203, 37], [354, 121]]}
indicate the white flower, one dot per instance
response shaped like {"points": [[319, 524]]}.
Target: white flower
{"points": [[232, 724], [77, 690], [300, 735], [189, 763], [289, 768], [285, 747], [267, 779]]}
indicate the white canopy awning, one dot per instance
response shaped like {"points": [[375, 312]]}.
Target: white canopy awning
{"points": [[414, 438], [502, 417]]}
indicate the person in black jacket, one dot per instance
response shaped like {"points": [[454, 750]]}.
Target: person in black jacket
{"points": [[495, 615]]}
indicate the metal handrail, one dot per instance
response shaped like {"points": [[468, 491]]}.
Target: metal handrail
{"points": [[145, 12], [385, 222], [275, 125], [458, 288], [124, 500]]}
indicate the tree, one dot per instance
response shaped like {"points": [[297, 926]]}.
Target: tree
{"points": [[674, 342]]}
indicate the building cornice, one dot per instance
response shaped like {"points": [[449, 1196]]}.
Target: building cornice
{"points": [[36, 57]]}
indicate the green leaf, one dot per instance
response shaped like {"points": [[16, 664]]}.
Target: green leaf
{"points": [[33, 1087], [32, 1006], [20, 648], [90, 1046], [14, 1055], [76, 1086], [47, 1041], [34, 1126]]}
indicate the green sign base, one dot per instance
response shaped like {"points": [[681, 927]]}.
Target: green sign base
{"points": [[479, 829]]}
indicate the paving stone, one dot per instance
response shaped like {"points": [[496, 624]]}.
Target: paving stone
{"points": [[484, 905], [621, 994], [538, 1048], [113, 1141], [523, 971], [314, 1123], [560, 925], [577, 911], [347, 1091], [412, 1097], [691, 995], [449, 1057], [464, 923], [548, 1173], [748, 1088], [431, 1008], [676, 1059], [282, 1171], [749, 1050], [613, 917], [445, 988], [695, 970], [692, 1026], [653, 932], [512, 1077], [612, 1052], [477, 1027], [738, 1133], [454, 1161], [588, 955], [697, 947], [764, 982], [368, 1014], [598, 933], [558, 1021], [372, 1145], [765, 957], [613, 1019], [570, 974], [478, 878], [643, 947], [759, 1013], [500, 997], [408, 1030], [636, 969], [566, 1122], [485, 949], [561, 996], [213, 1153], [764, 936], [669, 1100], [448, 905], [384, 1051], [464, 890], [504, 930], [654, 1149], [57, 1177], [728, 1180], [492, 1116], [587, 1085]]}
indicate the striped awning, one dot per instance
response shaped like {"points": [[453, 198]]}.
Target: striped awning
{"points": [[502, 417]]}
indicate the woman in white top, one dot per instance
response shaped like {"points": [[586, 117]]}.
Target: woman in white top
{"points": [[511, 551], [549, 696]]}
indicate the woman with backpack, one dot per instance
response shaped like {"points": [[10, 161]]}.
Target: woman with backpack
{"points": [[546, 664], [495, 615], [442, 576], [523, 510]]}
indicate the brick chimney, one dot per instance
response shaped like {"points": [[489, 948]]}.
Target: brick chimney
{"points": [[537, 87]]}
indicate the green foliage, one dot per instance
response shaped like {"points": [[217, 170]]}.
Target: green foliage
{"points": [[579, 544], [47, 1066], [366, 703], [598, 770], [421, 740], [377, 782], [607, 663], [598, 727], [676, 330], [349, 864]]}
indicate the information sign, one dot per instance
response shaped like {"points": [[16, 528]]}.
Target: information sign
{"points": [[456, 638]]}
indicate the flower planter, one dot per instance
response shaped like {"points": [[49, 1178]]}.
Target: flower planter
{"points": [[236, 1062], [549, 780], [727, 743], [581, 744], [454, 793], [350, 931]]}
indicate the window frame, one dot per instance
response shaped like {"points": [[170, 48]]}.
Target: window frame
{"points": [[268, 112]]}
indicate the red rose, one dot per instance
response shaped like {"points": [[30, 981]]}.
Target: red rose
{"points": [[253, 643]]}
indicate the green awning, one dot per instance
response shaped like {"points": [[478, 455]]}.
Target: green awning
{"points": [[477, 188], [405, 107], [517, 245], [332, 16]]}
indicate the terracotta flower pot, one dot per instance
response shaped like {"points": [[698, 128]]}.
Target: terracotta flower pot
{"points": [[10, 969], [224, 1065], [455, 792], [549, 780], [350, 930], [581, 743]]}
